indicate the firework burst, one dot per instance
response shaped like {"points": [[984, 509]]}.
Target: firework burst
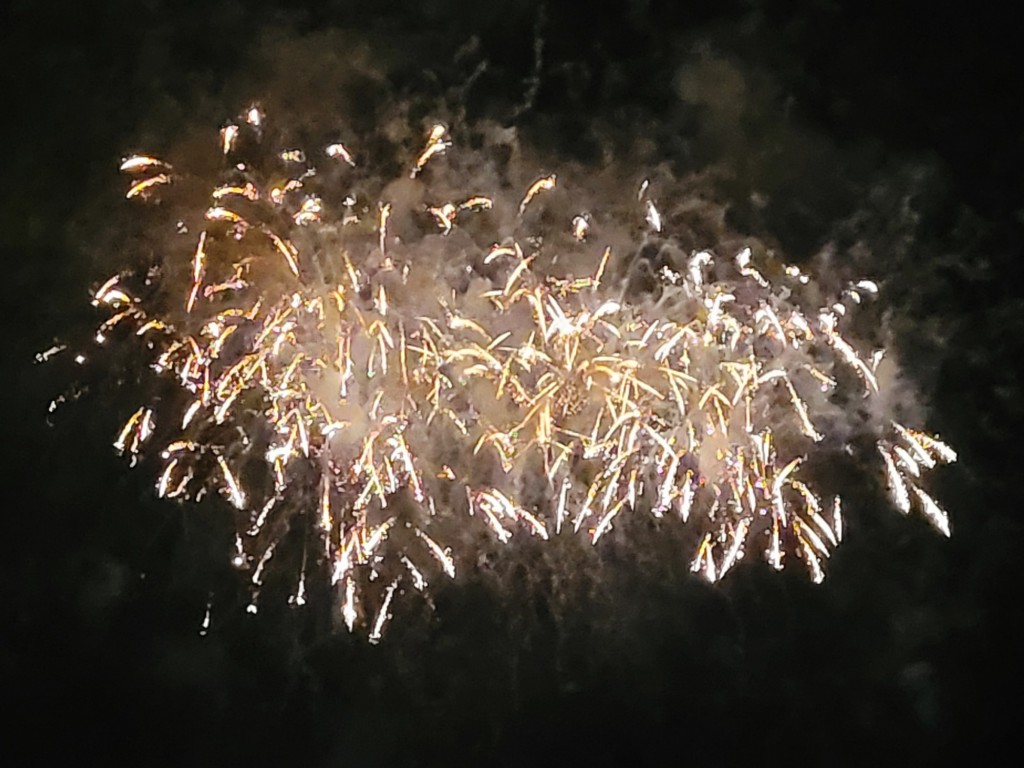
{"points": [[429, 360]]}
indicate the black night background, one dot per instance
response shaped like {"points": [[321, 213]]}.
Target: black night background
{"points": [[899, 127]]}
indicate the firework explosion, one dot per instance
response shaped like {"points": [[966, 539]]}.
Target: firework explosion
{"points": [[433, 359]]}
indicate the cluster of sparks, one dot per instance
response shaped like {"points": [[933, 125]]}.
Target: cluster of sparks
{"points": [[533, 403]]}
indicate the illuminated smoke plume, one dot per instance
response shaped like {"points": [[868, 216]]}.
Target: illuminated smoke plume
{"points": [[395, 366]]}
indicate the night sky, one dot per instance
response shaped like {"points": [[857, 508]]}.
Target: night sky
{"points": [[903, 131]]}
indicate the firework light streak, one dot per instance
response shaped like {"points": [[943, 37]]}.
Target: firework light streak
{"points": [[309, 337]]}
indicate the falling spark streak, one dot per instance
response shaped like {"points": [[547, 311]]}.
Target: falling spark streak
{"points": [[442, 556], [357, 365], [418, 581], [735, 548], [560, 512], [837, 518], [144, 187], [299, 598], [705, 561], [436, 145], [205, 626], [921, 454], [383, 615], [339, 150], [897, 485], [239, 559], [142, 163], [653, 217], [382, 226], [228, 135], [933, 511], [257, 575], [540, 185], [46, 354], [165, 478], [135, 431], [198, 267], [348, 609], [687, 502], [234, 491]]}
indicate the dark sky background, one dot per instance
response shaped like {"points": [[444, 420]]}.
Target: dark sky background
{"points": [[904, 129]]}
